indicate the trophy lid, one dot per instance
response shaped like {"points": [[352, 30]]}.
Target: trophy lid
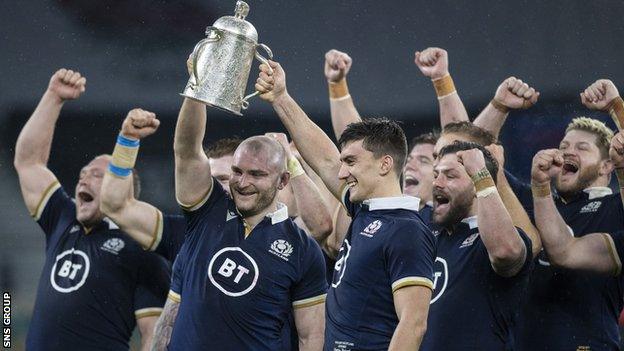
{"points": [[237, 23]]}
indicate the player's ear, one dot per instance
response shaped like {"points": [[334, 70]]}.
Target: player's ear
{"points": [[606, 167], [283, 180], [386, 165]]}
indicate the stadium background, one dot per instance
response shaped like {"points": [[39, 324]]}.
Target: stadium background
{"points": [[133, 52]]}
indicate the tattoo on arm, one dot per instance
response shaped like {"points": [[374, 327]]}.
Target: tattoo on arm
{"points": [[164, 326]]}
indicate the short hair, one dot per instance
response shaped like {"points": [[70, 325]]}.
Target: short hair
{"points": [[600, 130], [490, 162], [223, 147], [260, 143], [425, 138], [380, 136], [470, 131]]}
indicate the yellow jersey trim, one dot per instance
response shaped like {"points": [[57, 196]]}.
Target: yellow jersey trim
{"points": [[613, 253], [309, 301], [45, 197], [158, 230], [148, 312], [411, 281], [201, 202], [174, 296]]}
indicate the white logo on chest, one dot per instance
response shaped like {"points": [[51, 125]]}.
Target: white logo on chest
{"points": [[74, 229], [371, 229], [281, 248], [70, 271], [591, 207], [469, 240], [440, 278], [113, 245], [233, 271]]}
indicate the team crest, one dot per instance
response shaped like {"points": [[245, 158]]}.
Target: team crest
{"points": [[281, 248], [469, 240], [371, 229], [113, 245], [591, 207], [74, 229]]}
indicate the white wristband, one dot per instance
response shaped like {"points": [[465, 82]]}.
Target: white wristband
{"points": [[487, 192]]}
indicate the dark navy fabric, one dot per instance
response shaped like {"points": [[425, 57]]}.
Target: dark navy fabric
{"points": [[173, 235], [92, 283], [237, 293]]}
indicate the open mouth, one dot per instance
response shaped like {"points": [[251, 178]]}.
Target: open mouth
{"points": [[569, 167], [351, 184], [411, 181], [440, 199], [85, 197]]}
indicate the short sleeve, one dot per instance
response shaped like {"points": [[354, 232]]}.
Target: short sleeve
{"points": [[177, 275], [409, 255], [151, 291], [211, 198], [55, 208], [615, 244], [170, 237], [523, 193], [351, 208], [311, 289], [528, 261]]}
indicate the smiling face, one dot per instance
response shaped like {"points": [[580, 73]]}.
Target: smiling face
{"points": [[256, 178], [418, 173], [360, 169], [87, 191], [453, 192], [583, 165]]}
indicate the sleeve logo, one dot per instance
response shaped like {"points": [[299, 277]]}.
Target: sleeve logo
{"points": [[281, 248]]}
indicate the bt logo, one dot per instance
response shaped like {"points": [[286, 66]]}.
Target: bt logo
{"points": [[233, 271], [70, 271]]}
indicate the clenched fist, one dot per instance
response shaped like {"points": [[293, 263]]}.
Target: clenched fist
{"points": [[139, 124], [547, 164], [515, 94], [66, 84], [271, 83], [432, 62], [616, 151], [472, 160], [598, 95], [337, 65]]}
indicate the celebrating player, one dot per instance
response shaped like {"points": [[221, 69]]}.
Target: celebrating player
{"points": [[379, 297], [96, 284], [482, 262]]}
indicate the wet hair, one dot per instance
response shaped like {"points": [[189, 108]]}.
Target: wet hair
{"points": [[380, 136], [470, 131], [600, 130], [490, 162], [425, 138], [223, 147]]}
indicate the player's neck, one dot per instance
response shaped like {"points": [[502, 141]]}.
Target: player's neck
{"points": [[388, 189], [253, 220]]}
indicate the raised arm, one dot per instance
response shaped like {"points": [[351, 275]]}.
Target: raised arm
{"points": [[433, 63], [138, 219], [313, 144], [411, 304], [311, 207], [164, 325], [511, 94], [616, 152], [32, 149], [589, 252], [518, 214], [342, 108], [506, 250]]}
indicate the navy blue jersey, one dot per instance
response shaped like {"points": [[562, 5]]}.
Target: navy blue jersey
{"points": [[387, 247], [94, 284], [426, 213], [571, 309], [236, 292], [472, 307], [170, 235]]}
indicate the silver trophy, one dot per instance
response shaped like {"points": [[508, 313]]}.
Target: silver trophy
{"points": [[222, 62]]}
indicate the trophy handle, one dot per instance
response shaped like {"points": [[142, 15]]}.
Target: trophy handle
{"points": [[199, 47], [245, 103]]}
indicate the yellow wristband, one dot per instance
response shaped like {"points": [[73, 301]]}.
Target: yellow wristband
{"points": [[124, 156], [444, 86], [540, 190], [499, 106], [294, 167], [339, 89], [484, 183]]}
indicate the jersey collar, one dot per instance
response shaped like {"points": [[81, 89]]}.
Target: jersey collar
{"points": [[392, 203], [280, 215], [471, 221], [598, 191]]}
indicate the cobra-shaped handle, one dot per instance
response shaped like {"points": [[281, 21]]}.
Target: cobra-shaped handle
{"points": [[245, 103], [214, 35]]}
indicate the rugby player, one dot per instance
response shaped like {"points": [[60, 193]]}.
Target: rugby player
{"points": [[379, 297], [482, 261], [245, 266], [97, 284]]}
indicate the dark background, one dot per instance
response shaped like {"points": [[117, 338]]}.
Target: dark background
{"points": [[133, 54]]}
